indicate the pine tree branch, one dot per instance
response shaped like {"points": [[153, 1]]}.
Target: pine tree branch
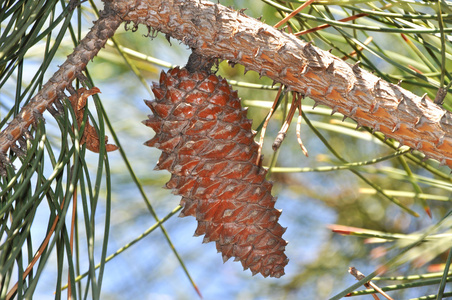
{"points": [[217, 31], [76, 62], [220, 32]]}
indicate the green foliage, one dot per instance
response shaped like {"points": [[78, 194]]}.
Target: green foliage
{"points": [[381, 191]]}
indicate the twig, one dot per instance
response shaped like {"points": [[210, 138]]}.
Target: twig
{"points": [[323, 26], [300, 142], [264, 127], [359, 276], [38, 254], [285, 127], [76, 62], [292, 14], [351, 18]]}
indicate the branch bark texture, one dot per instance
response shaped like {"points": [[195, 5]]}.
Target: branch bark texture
{"points": [[14, 133], [217, 31]]}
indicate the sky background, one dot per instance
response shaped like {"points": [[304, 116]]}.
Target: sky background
{"points": [[319, 259]]}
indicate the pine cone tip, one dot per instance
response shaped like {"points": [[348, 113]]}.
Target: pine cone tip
{"points": [[208, 146]]}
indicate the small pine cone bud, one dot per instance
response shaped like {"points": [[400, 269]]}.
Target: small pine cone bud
{"points": [[208, 146]]}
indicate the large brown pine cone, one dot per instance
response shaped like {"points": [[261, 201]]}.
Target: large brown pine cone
{"points": [[208, 147]]}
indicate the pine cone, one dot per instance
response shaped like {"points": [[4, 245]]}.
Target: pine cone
{"points": [[208, 147]]}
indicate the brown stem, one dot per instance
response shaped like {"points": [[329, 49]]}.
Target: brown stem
{"points": [[360, 276], [88, 48], [217, 31], [38, 254]]}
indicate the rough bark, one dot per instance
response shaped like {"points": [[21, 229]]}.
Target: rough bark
{"points": [[17, 130], [217, 31]]}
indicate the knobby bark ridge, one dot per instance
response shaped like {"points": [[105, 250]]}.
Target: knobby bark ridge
{"points": [[220, 32], [13, 136]]}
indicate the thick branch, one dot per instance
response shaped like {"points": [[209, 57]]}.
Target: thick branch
{"points": [[216, 31], [88, 48]]}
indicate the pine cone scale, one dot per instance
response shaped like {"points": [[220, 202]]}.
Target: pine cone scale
{"points": [[208, 147]]}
